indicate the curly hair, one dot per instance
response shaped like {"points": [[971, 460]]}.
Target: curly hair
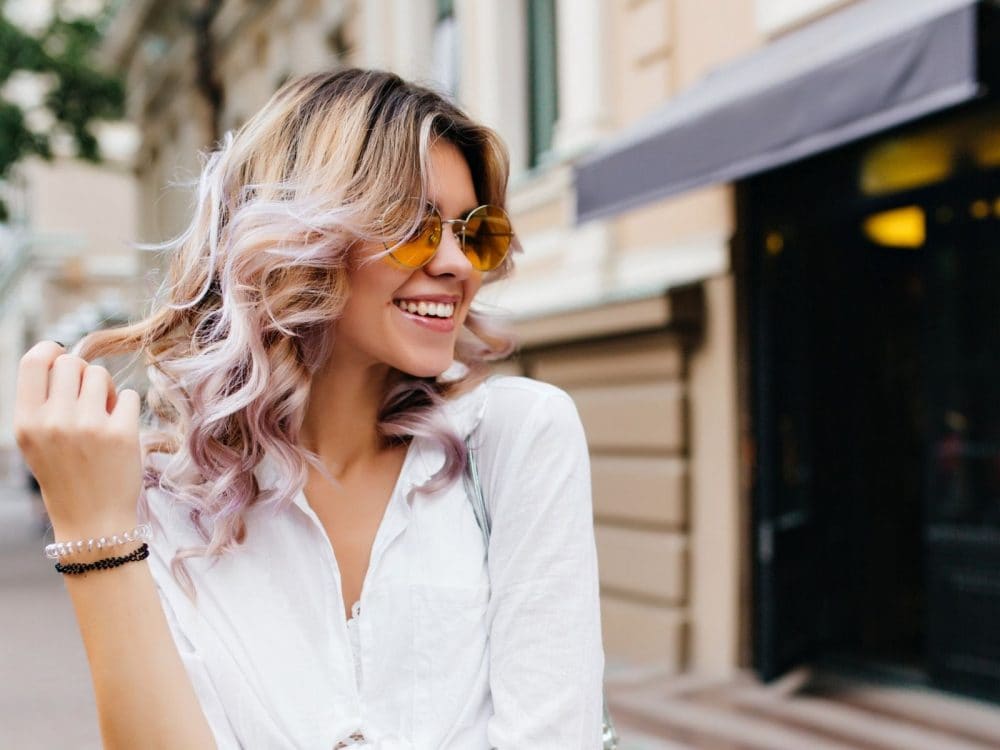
{"points": [[243, 318]]}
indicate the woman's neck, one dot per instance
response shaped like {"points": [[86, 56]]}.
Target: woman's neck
{"points": [[341, 419]]}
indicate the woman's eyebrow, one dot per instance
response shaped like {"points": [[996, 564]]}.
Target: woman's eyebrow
{"points": [[461, 214]]}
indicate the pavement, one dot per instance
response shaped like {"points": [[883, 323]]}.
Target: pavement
{"points": [[46, 699]]}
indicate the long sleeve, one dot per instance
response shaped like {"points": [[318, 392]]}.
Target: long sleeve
{"points": [[546, 656]]}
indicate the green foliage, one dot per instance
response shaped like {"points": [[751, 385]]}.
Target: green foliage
{"points": [[81, 93]]}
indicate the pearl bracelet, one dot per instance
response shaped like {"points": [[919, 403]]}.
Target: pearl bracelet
{"points": [[141, 533]]}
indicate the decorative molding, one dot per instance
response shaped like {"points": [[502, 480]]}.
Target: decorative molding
{"points": [[583, 67], [493, 46], [560, 268], [678, 309], [778, 16], [539, 187], [694, 260]]}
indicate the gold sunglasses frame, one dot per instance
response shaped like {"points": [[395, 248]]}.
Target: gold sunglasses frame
{"points": [[460, 236]]}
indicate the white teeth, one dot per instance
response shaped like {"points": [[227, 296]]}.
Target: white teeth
{"points": [[433, 309]]}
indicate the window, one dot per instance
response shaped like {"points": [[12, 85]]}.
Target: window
{"points": [[543, 103]]}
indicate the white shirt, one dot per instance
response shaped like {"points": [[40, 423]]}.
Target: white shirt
{"points": [[454, 649]]}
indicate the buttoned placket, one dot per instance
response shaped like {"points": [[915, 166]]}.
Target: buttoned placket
{"points": [[394, 521]]}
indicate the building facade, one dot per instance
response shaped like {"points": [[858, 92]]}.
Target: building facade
{"points": [[67, 266], [649, 314]]}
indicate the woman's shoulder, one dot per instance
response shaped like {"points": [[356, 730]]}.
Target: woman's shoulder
{"points": [[519, 392], [526, 425], [511, 403]]}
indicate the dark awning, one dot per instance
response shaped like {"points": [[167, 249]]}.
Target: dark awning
{"points": [[866, 68]]}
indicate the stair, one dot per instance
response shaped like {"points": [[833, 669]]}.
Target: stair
{"points": [[803, 711]]}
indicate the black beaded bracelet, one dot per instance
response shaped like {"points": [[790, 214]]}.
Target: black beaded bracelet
{"points": [[73, 569]]}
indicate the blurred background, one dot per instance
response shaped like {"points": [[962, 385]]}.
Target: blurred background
{"points": [[762, 253]]}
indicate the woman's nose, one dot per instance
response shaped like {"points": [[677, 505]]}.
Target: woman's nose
{"points": [[449, 258]]}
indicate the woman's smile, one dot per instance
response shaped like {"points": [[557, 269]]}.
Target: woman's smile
{"points": [[432, 312]]}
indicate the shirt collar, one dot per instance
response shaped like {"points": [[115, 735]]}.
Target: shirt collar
{"points": [[463, 414]]}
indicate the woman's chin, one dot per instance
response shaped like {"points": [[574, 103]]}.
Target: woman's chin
{"points": [[427, 368]]}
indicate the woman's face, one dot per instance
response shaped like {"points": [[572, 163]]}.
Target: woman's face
{"points": [[374, 329]]}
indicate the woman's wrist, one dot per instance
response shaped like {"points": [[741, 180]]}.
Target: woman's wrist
{"points": [[95, 527], [107, 544]]}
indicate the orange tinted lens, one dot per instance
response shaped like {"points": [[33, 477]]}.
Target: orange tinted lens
{"points": [[487, 237], [419, 249]]}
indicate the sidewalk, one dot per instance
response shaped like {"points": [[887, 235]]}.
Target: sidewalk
{"points": [[46, 698], [805, 710]]}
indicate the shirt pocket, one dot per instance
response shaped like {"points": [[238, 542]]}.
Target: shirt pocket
{"points": [[452, 657]]}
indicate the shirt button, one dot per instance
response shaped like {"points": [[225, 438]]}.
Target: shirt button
{"points": [[354, 739]]}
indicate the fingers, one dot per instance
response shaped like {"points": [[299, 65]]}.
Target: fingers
{"points": [[65, 380], [97, 393], [49, 377], [126, 411], [33, 375]]}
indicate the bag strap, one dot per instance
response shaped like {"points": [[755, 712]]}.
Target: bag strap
{"points": [[475, 492]]}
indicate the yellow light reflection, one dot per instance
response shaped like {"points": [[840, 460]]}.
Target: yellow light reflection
{"points": [[986, 148], [898, 227], [774, 243], [996, 208], [904, 164], [979, 209]]}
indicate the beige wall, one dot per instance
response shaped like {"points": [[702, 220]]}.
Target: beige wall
{"points": [[94, 204], [83, 218], [626, 365], [80, 221], [716, 514], [711, 33]]}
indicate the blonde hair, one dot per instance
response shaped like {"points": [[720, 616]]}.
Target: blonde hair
{"points": [[255, 281]]}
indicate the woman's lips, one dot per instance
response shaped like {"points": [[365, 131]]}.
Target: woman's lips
{"points": [[441, 325], [432, 312]]}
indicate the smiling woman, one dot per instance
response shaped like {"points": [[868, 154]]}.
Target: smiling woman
{"points": [[388, 316], [315, 577]]}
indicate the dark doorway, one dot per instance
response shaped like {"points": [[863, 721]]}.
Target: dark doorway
{"points": [[875, 347]]}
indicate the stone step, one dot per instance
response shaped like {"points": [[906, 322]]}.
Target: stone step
{"points": [[703, 725], [852, 723], [803, 711], [965, 718]]}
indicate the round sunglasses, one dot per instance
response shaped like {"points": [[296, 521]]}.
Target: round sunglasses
{"points": [[484, 235]]}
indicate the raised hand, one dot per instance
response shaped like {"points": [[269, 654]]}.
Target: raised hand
{"points": [[80, 439]]}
